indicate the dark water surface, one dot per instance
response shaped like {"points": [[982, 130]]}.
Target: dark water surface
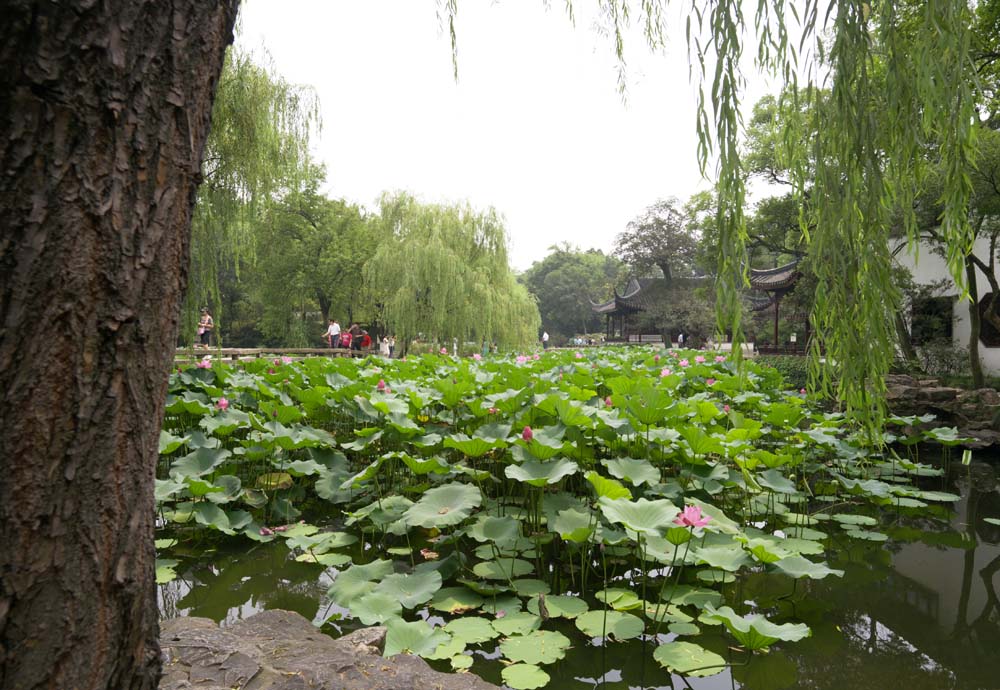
{"points": [[919, 612]]}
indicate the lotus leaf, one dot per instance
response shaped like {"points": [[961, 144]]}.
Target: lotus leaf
{"points": [[455, 600], [474, 447], [165, 570], [641, 516], [519, 623], [635, 472], [541, 473], [573, 525], [867, 535], [357, 581], [684, 629], [471, 630], [524, 677], [537, 647], [754, 631], [621, 626], [199, 462], [695, 596], [607, 488], [504, 605], [529, 587], [376, 607], [410, 590], [489, 528], [444, 506], [797, 566], [559, 606], [461, 662], [619, 599], [689, 659], [502, 568], [413, 638], [446, 650]]}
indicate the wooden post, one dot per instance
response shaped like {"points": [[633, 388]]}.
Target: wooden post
{"points": [[777, 301]]}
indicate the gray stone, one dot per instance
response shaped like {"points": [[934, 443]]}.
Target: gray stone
{"points": [[281, 650]]}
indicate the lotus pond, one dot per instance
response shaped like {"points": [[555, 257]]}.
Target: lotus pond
{"points": [[618, 518]]}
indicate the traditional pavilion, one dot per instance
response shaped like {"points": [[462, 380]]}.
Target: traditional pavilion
{"points": [[767, 288]]}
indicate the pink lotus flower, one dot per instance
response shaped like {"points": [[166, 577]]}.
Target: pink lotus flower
{"points": [[223, 404], [521, 359], [802, 391], [656, 358], [381, 386], [286, 360], [444, 350], [270, 371], [709, 382], [536, 356], [527, 434], [579, 355], [672, 353], [684, 363], [477, 356], [691, 517], [277, 361], [265, 532], [720, 358], [205, 364], [281, 528], [665, 372], [494, 410], [725, 408], [429, 555], [607, 401], [699, 359]]}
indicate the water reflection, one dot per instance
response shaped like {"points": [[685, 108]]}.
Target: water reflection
{"points": [[920, 611]]}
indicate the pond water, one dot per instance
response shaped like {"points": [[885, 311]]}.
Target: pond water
{"points": [[920, 611]]}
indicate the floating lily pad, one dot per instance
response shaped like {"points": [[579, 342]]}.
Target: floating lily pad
{"points": [[502, 568], [505, 605], [444, 506], [528, 587], [410, 590], [616, 624], [797, 566], [642, 516], [471, 630], [412, 638], [689, 659], [455, 600], [524, 676], [376, 607], [520, 623], [685, 629], [754, 631], [537, 647], [559, 606]]}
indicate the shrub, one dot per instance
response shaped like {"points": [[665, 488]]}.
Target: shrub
{"points": [[794, 368]]}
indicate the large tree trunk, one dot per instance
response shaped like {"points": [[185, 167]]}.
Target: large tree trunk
{"points": [[975, 326], [104, 111]]}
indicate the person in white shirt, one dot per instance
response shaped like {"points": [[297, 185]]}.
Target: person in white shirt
{"points": [[333, 334], [545, 340]]}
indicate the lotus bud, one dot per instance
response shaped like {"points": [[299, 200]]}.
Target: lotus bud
{"points": [[527, 434]]}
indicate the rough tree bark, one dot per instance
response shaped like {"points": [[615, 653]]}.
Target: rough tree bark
{"points": [[104, 110]]}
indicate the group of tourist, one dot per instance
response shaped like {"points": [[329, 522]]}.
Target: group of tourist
{"points": [[357, 338]]}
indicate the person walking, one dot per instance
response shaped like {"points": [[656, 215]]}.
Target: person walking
{"points": [[545, 340], [333, 334], [205, 326]]}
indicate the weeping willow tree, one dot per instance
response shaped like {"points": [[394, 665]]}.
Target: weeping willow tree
{"points": [[902, 93], [256, 150], [442, 273]]}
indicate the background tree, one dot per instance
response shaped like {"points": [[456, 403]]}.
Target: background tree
{"points": [[257, 151], [105, 113], [658, 242], [309, 267], [565, 282], [442, 272]]}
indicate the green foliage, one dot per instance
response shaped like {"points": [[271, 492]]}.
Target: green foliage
{"points": [[443, 273], [793, 368]]}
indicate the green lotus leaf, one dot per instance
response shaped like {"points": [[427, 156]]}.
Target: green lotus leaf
{"points": [[641, 516], [684, 629], [447, 650], [471, 630], [211, 515], [524, 677], [664, 612], [867, 535], [488, 528], [607, 488], [942, 496], [700, 442], [486, 589], [776, 481], [169, 443], [621, 626], [520, 623], [376, 607], [410, 590], [541, 473], [558, 606], [421, 466], [444, 506], [689, 659], [224, 423], [619, 599], [546, 443], [273, 481], [165, 570], [754, 631], [455, 600], [797, 566], [715, 576], [329, 560], [382, 512], [165, 488], [635, 471], [461, 662], [356, 581], [574, 525], [537, 647], [473, 447], [505, 605], [683, 595], [853, 519], [529, 587], [199, 462], [412, 638], [502, 568]]}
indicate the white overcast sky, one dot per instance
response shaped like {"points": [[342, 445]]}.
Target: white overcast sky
{"points": [[535, 125]]}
